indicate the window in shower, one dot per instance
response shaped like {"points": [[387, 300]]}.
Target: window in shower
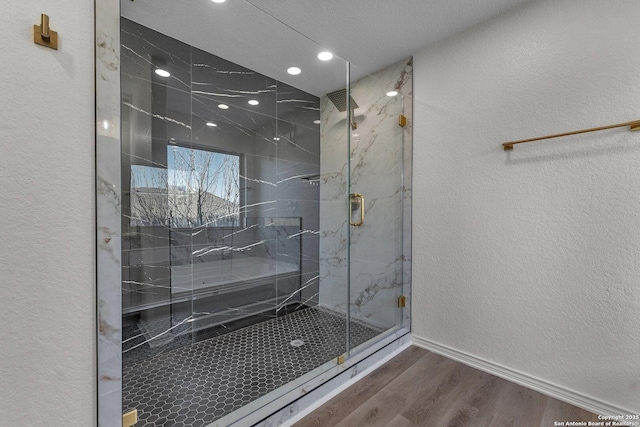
{"points": [[198, 188]]}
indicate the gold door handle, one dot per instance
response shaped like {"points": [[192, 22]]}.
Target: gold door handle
{"points": [[358, 198]]}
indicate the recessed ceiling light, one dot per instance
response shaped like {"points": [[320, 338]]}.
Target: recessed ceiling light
{"points": [[355, 134], [316, 122], [392, 93], [223, 106], [253, 102], [325, 56], [294, 71], [105, 124], [162, 73], [275, 138], [218, 1], [211, 124]]}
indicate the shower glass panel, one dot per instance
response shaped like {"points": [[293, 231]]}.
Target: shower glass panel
{"points": [[379, 199], [379, 143], [226, 242]]}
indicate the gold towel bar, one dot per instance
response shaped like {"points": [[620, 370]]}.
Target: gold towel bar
{"points": [[634, 125]]}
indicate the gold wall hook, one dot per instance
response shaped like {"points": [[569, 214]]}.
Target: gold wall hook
{"points": [[44, 27], [43, 35]]}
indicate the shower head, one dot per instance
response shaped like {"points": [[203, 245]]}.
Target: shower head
{"points": [[339, 99]]}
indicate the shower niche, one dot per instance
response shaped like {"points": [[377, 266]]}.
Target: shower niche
{"points": [[250, 276]]}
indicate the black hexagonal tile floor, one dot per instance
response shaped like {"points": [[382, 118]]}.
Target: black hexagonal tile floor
{"points": [[195, 383]]}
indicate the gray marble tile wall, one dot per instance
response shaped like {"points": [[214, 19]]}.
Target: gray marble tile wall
{"points": [[380, 170], [279, 146]]}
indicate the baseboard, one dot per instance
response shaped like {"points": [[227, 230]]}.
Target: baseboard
{"points": [[538, 384]]}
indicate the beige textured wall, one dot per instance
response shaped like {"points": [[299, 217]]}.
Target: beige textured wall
{"points": [[530, 259]]}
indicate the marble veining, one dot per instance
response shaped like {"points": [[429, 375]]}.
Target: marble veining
{"points": [[108, 200], [107, 53], [156, 116]]}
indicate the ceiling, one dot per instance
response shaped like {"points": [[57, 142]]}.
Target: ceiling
{"points": [[269, 36]]}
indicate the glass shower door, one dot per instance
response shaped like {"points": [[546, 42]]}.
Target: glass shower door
{"points": [[377, 202]]}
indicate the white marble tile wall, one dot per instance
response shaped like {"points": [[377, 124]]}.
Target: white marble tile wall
{"points": [[108, 198], [381, 171]]}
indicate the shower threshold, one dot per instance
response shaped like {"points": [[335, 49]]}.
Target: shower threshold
{"points": [[214, 373]]}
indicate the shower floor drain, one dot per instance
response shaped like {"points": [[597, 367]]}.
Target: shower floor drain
{"points": [[297, 343]]}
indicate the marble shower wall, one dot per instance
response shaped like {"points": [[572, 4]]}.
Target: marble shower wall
{"points": [[108, 201], [381, 171], [278, 143]]}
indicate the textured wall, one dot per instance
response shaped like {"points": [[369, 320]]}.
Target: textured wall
{"points": [[529, 259], [47, 294]]}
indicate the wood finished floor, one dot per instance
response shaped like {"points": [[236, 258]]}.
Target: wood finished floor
{"points": [[420, 388]]}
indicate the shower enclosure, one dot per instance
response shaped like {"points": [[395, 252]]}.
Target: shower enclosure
{"points": [[264, 218]]}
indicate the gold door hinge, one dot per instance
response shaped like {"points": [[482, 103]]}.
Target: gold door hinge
{"points": [[402, 301], [402, 121], [130, 418], [341, 359]]}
